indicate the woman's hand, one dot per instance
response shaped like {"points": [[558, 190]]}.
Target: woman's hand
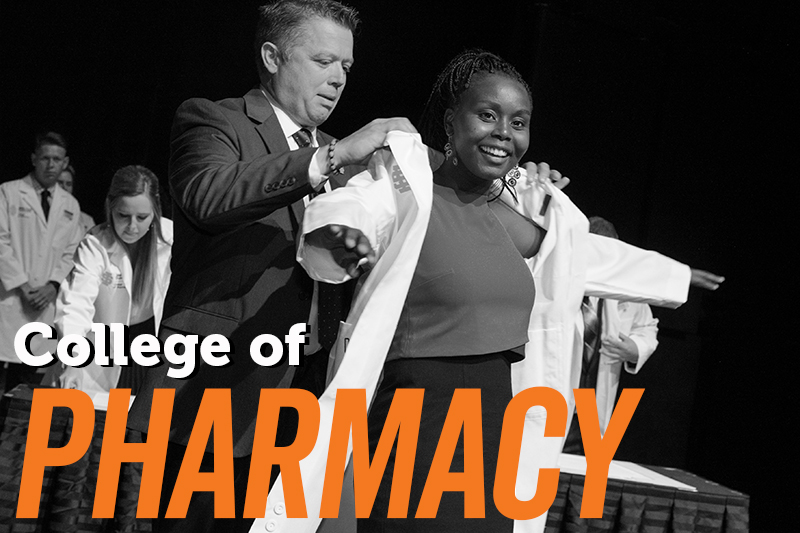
{"points": [[349, 247], [543, 172], [71, 378], [705, 280]]}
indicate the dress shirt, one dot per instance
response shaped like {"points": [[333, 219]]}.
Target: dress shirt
{"points": [[315, 176], [38, 188]]}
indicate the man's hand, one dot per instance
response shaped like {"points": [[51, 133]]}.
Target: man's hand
{"points": [[38, 297], [543, 172], [705, 280], [358, 146], [44, 295], [349, 247], [622, 349], [27, 292]]}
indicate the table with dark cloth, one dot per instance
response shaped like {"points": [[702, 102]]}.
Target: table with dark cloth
{"points": [[632, 507], [68, 491]]}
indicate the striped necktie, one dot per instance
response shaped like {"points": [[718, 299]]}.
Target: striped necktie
{"points": [[302, 137], [592, 319], [592, 324]]}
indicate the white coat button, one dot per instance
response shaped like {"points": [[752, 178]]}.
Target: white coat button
{"points": [[271, 526], [279, 509]]}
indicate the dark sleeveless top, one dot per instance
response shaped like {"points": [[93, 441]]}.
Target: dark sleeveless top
{"points": [[472, 292]]}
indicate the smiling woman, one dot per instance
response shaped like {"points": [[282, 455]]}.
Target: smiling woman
{"points": [[467, 319], [462, 324], [466, 313]]}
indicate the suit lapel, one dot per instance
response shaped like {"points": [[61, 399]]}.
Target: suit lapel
{"points": [[259, 110]]}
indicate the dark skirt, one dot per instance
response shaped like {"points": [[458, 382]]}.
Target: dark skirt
{"points": [[132, 375], [440, 377]]}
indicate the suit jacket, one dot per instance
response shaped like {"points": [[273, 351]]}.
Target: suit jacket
{"points": [[238, 195]]}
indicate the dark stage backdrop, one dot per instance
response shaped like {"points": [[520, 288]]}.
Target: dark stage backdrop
{"points": [[672, 119]]}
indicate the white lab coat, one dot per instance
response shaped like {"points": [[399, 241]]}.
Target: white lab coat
{"points": [[32, 250], [637, 322], [569, 263], [97, 290]]}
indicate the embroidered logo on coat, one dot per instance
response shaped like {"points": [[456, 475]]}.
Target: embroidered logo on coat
{"points": [[68, 214], [106, 278], [399, 180]]}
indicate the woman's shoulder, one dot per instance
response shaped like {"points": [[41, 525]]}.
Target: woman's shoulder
{"points": [[166, 230], [100, 235], [95, 246]]}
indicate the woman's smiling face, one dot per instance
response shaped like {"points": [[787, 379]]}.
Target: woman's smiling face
{"points": [[490, 126]]}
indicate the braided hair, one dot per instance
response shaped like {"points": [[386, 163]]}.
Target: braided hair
{"points": [[453, 81]]}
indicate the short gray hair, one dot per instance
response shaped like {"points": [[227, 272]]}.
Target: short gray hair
{"points": [[281, 22]]}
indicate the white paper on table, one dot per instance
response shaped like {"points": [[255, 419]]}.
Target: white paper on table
{"points": [[100, 401], [622, 470]]}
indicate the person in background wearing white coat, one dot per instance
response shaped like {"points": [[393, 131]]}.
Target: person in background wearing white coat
{"points": [[628, 333], [67, 182], [39, 230], [121, 274]]}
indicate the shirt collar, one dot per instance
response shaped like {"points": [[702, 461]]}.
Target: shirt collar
{"points": [[288, 126], [38, 186]]}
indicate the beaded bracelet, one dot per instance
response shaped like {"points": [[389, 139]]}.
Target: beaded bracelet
{"points": [[332, 169]]}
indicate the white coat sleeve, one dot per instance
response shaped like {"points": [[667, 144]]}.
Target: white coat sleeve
{"points": [[12, 272], [644, 331], [364, 204], [76, 298], [620, 271]]}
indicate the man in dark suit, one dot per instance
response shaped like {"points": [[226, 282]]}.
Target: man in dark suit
{"points": [[240, 172]]}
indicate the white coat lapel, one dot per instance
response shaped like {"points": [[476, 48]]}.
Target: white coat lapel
{"points": [[371, 336], [32, 200], [119, 257], [164, 253]]}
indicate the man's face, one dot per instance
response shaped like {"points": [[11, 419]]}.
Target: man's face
{"points": [[308, 83], [48, 162]]}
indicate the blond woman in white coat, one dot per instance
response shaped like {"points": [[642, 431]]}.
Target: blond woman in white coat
{"points": [[121, 275]]}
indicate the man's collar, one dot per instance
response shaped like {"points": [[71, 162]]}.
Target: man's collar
{"points": [[288, 126], [38, 186]]}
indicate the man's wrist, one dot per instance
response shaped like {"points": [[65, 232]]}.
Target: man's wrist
{"points": [[334, 165]]}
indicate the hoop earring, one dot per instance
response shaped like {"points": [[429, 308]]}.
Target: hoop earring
{"points": [[512, 176], [448, 151]]}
